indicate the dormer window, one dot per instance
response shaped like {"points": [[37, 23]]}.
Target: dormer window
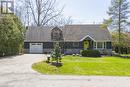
{"points": [[56, 34]]}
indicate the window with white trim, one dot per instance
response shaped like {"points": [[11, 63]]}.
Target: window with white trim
{"points": [[75, 44], [99, 44], [94, 44], [104, 44]]}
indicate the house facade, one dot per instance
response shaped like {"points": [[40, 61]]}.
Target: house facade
{"points": [[72, 39]]}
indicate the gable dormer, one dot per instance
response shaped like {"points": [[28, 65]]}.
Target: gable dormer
{"points": [[56, 34]]}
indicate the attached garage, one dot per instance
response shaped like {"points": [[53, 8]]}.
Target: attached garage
{"points": [[36, 48]]}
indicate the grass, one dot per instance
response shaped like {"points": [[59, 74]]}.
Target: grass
{"points": [[106, 66], [125, 54]]}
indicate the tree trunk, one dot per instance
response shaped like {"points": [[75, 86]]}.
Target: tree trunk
{"points": [[119, 26]]}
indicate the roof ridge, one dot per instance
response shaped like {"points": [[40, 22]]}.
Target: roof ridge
{"points": [[83, 25]]}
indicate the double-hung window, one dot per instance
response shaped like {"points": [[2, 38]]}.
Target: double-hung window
{"points": [[100, 45]]}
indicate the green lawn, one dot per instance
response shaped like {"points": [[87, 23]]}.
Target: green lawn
{"points": [[107, 66], [125, 54]]}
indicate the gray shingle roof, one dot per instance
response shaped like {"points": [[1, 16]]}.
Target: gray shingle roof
{"points": [[38, 34], [71, 33], [78, 32]]}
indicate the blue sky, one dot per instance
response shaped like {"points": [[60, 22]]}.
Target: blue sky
{"points": [[86, 11]]}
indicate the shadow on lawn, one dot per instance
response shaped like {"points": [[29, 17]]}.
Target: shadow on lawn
{"points": [[122, 56], [125, 57], [55, 64]]}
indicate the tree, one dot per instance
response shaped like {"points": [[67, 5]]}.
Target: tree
{"points": [[22, 12], [61, 21], [118, 12], [56, 54], [106, 23], [11, 35], [43, 11], [125, 38]]}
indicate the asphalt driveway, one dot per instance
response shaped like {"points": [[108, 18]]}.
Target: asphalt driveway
{"points": [[16, 72]]}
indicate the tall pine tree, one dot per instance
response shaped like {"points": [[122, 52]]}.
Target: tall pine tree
{"points": [[118, 12]]}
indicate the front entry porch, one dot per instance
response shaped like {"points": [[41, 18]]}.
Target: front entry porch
{"points": [[90, 44]]}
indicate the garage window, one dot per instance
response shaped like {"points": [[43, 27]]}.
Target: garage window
{"points": [[33, 44], [39, 44]]}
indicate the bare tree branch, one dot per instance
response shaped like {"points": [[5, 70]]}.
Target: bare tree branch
{"points": [[43, 11]]}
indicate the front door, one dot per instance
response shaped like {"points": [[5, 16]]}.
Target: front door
{"points": [[86, 44]]}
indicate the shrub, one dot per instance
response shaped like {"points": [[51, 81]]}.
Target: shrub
{"points": [[48, 59], [11, 35], [90, 53], [56, 54]]}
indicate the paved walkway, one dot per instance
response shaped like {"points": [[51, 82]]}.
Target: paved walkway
{"points": [[17, 72]]}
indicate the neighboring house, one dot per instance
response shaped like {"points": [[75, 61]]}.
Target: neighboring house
{"points": [[72, 38]]}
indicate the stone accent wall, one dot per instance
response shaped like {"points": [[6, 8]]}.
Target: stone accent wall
{"points": [[72, 51], [26, 50], [47, 51], [105, 51]]}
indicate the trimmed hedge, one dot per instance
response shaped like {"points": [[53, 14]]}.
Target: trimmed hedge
{"points": [[90, 53]]}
